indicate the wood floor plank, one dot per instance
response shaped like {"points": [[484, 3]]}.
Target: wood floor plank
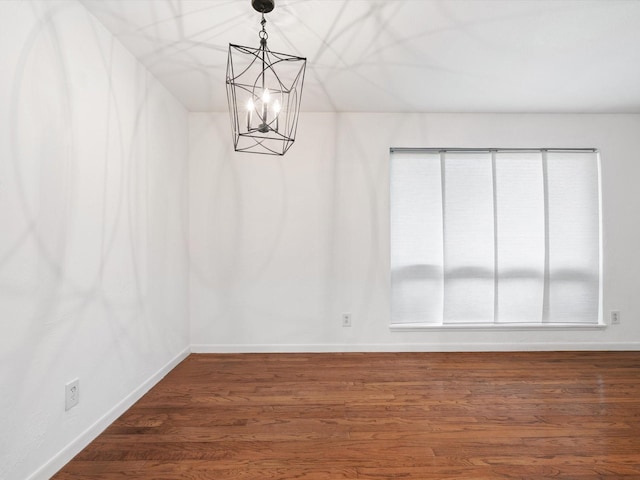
{"points": [[378, 416]]}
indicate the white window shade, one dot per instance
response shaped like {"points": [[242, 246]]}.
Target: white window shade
{"points": [[417, 256], [495, 237], [468, 238], [573, 233], [520, 236]]}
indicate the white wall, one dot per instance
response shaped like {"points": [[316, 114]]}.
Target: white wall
{"points": [[93, 265], [280, 246]]}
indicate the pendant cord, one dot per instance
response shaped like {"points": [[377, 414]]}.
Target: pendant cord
{"points": [[263, 44]]}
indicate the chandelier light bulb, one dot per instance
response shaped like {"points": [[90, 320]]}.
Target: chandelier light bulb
{"points": [[264, 127], [276, 113], [250, 109]]}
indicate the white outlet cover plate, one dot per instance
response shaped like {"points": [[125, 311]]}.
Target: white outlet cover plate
{"points": [[71, 394]]}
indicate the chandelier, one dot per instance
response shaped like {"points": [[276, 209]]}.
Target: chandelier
{"points": [[264, 90]]}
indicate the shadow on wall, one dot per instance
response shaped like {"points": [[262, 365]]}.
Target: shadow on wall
{"points": [[91, 203]]}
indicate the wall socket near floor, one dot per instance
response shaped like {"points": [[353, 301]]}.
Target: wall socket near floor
{"points": [[346, 319], [71, 394], [615, 317]]}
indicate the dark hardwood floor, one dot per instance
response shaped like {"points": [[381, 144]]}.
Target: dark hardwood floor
{"points": [[567, 415]]}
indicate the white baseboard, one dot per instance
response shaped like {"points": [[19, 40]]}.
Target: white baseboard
{"points": [[72, 449], [417, 347]]}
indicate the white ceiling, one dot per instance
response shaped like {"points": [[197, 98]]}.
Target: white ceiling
{"points": [[400, 55]]}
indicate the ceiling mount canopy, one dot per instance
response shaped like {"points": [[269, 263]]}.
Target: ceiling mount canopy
{"points": [[264, 90], [262, 6]]}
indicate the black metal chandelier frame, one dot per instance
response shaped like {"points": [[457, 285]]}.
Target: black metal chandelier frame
{"points": [[269, 84]]}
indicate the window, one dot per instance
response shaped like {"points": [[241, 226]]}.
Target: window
{"points": [[495, 237]]}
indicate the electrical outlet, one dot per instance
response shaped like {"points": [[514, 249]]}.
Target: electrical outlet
{"points": [[346, 319], [71, 394], [615, 317]]}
